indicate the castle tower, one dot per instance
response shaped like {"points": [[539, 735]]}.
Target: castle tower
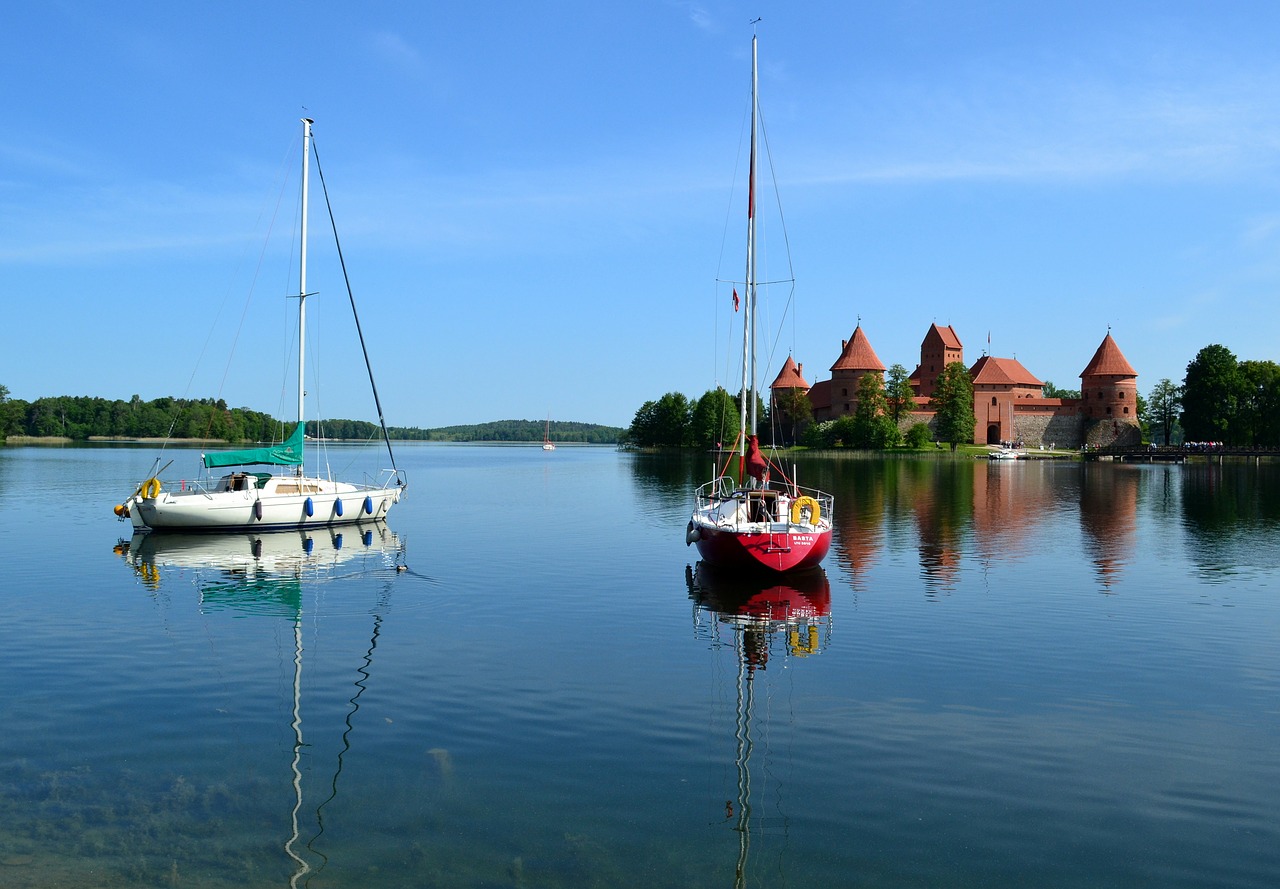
{"points": [[790, 377], [1109, 397], [788, 417], [999, 384], [856, 359], [940, 347]]}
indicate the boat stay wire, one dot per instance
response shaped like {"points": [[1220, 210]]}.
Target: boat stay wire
{"points": [[351, 297]]}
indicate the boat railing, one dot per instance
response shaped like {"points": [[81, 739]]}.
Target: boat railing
{"points": [[725, 489], [387, 478]]}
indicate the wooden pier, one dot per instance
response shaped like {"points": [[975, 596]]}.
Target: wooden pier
{"points": [[1177, 453]]}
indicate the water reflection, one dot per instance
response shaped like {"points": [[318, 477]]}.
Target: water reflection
{"points": [[958, 514], [668, 480], [268, 575], [757, 619], [1109, 517], [1231, 514], [244, 569]]}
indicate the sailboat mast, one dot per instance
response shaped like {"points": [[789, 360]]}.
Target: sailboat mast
{"points": [[302, 272], [751, 230], [747, 415]]}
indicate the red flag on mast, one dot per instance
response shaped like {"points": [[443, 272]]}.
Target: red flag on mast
{"points": [[735, 299]]}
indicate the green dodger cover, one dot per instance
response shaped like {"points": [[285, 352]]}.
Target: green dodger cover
{"points": [[287, 453]]}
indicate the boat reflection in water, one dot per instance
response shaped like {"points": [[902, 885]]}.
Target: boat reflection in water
{"points": [[256, 571], [267, 574], [761, 617]]}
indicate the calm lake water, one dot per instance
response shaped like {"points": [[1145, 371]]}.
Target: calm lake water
{"points": [[1021, 674]]}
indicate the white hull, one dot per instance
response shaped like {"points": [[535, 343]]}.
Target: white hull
{"points": [[198, 509]]}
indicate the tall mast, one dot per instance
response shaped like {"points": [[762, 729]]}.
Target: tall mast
{"points": [[302, 273], [751, 230], [749, 316]]}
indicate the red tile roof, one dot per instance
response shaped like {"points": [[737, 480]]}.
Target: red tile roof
{"points": [[947, 335], [1001, 372], [820, 395], [1109, 361], [857, 354], [790, 377]]}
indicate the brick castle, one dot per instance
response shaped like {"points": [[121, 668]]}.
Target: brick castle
{"points": [[1008, 401]]}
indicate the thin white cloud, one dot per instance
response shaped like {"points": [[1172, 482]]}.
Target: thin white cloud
{"points": [[697, 14], [397, 53]]}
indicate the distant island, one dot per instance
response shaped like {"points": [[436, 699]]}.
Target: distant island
{"points": [[78, 418]]}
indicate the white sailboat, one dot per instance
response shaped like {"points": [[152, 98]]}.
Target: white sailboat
{"points": [[547, 444], [248, 501], [753, 516]]}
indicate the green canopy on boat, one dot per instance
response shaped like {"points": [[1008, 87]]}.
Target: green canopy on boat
{"points": [[287, 453]]}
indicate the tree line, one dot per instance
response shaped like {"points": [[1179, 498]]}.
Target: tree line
{"points": [[513, 431], [1221, 399], [712, 420], [82, 418]]}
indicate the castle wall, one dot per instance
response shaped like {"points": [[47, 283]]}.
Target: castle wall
{"points": [[1064, 430], [1109, 433]]}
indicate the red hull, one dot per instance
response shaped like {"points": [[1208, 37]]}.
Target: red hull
{"points": [[778, 552]]}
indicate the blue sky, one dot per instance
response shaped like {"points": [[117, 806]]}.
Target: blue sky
{"points": [[536, 199]]}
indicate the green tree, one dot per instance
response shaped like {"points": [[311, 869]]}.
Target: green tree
{"points": [[1260, 403], [918, 435], [10, 418], [714, 420], [844, 432], [643, 429], [898, 394], [873, 428], [674, 414], [953, 403], [1164, 404], [820, 435], [791, 414], [1051, 391], [1211, 395]]}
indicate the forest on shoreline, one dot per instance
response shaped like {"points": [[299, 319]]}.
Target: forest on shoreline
{"points": [[79, 418]]}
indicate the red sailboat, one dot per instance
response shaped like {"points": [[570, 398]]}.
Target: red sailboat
{"points": [[753, 515]]}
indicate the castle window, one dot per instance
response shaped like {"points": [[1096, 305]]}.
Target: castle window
{"points": [[993, 399], [844, 393], [1108, 409], [1122, 396], [1126, 408]]}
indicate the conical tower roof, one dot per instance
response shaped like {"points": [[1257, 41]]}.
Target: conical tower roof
{"points": [[790, 377], [1109, 361], [857, 354]]}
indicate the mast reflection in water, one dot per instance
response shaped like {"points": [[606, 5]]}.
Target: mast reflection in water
{"points": [[759, 618], [269, 575]]}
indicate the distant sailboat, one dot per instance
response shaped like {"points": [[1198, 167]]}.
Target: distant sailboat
{"points": [[752, 515], [250, 501], [546, 437]]}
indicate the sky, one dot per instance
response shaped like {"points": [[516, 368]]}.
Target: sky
{"points": [[539, 203]]}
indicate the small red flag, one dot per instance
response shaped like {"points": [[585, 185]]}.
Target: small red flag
{"points": [[735, 299]]}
